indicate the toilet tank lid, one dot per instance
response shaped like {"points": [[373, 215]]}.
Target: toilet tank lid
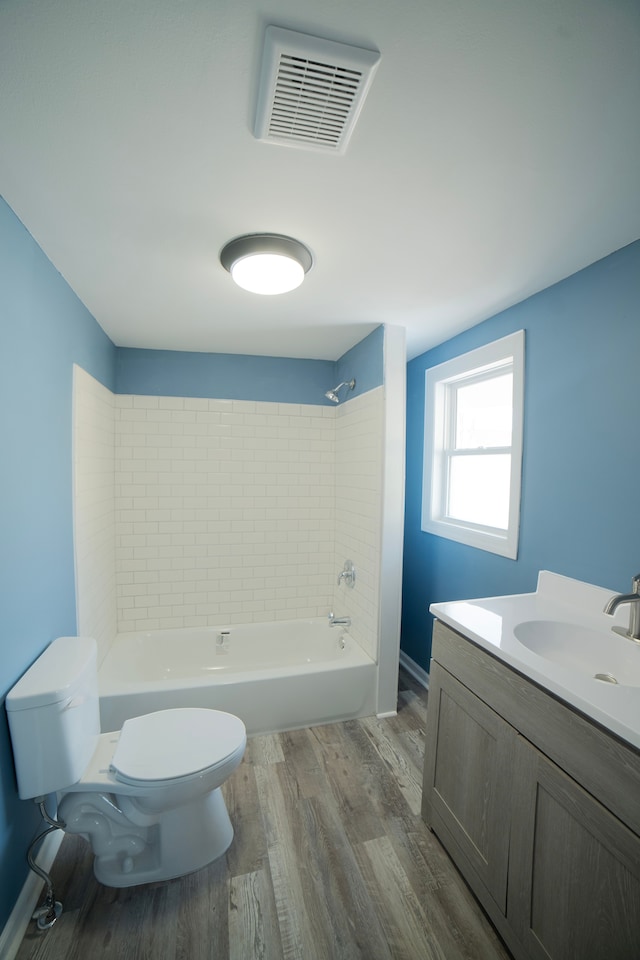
{"points": [[52, 678]]}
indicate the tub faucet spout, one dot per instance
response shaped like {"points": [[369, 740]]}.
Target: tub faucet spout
{"points": [[633, 598], [339, 621]]}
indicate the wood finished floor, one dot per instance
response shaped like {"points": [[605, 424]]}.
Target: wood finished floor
{"points": [[330, 860]]}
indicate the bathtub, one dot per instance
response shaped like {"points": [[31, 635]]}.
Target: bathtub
{"points": [[274, 676]]}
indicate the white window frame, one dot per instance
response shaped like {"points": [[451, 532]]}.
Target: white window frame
{"points": [[494, 358]]}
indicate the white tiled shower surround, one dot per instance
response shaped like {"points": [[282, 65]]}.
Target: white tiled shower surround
{"points": [[224, 511], [230, 511]]}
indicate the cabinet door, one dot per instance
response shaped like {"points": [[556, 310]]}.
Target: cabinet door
{"points": [[574, 871], [467, 787]]}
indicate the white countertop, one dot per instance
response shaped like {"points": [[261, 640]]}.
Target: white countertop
{"points": [[490, 622]]}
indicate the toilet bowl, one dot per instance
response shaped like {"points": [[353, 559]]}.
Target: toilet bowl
{"points": [[147, 798]]}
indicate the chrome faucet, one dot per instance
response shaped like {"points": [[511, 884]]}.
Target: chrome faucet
{"points": [[633, 598], [339, 621], [347, 574]]}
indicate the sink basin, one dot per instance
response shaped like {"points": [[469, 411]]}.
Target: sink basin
{"points": [[604, 656]]}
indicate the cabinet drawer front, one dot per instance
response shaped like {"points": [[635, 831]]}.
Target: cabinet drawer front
{"points": [[574, 873], [470, 753]]}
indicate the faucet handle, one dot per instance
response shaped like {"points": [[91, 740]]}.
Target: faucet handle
{"points": [[348, 574], [635, 584]]}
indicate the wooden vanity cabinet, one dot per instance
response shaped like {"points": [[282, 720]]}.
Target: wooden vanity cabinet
{"points": [[538, 807], [469, 753], [574, 870]]}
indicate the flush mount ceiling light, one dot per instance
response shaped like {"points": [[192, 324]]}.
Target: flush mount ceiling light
{"points": [[266, 263]]}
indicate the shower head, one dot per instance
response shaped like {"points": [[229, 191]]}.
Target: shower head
{"points": [[333, 394]]}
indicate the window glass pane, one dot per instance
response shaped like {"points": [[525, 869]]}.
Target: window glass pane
{"points": [[484, 413], [479, 489]]}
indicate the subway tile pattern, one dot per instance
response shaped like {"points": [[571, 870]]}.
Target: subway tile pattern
{"points": [[94, 509], [224, 511], [198, 512]]}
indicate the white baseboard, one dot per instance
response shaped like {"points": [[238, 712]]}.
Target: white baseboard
{"points": [[416, 671], [20, 917]]}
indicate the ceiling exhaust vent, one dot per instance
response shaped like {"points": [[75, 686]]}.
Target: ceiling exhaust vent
{"points": [[311, 90]]}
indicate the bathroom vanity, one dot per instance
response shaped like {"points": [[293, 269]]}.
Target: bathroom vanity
{"points": [[532, 768]]}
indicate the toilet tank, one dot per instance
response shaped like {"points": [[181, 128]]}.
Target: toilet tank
{"points": [[54, 717]]}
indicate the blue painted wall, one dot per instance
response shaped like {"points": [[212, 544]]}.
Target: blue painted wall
{"points": [[234, 377], [581, 464], [44, 329], [168, 373], [364, 362]]}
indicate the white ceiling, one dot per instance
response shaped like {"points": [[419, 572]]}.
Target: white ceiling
{"points": [[498, 151]]}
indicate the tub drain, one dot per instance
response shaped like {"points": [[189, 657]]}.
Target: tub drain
{"points": [[605, 677]]}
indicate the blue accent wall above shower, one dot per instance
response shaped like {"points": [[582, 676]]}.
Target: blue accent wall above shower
{"points": [[581, 464], [171, 373], [365, 362]]}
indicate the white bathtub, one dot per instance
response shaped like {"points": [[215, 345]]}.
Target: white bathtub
{"points": [[274, 676]]}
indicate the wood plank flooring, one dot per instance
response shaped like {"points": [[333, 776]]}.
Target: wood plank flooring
{"points": [[330, 860]]}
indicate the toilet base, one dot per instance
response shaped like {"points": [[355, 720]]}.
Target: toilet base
{"points": [[158, 846]]}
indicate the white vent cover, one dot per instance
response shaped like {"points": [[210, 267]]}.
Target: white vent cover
{"points": [[311, 90]]}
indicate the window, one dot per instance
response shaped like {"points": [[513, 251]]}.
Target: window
{"points": [[473, 447]]}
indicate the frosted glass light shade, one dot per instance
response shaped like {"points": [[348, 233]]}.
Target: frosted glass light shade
{"points": [[266, 263], [267, 273]]}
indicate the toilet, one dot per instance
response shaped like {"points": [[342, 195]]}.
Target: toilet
{"points": [[147, 797]]}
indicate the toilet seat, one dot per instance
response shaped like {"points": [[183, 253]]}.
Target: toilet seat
{"points": [[174, 745]]}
